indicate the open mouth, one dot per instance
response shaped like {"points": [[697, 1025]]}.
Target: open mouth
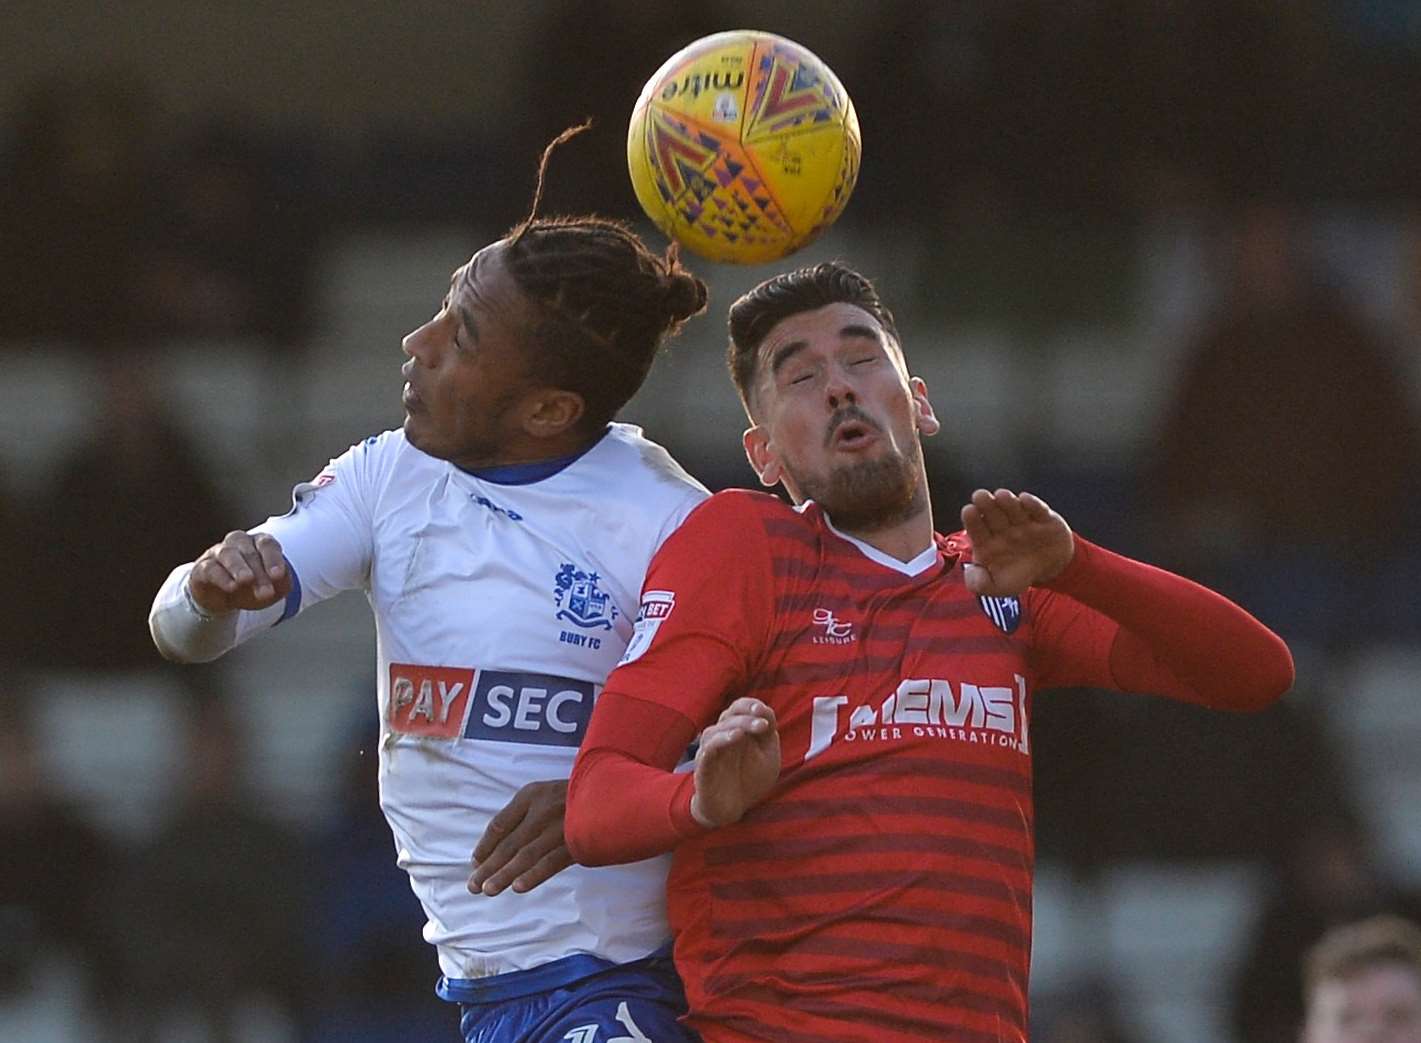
{"points": [[852, 433]]}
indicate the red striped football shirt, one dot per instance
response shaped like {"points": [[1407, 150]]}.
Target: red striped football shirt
{"points": [[883, 890]]}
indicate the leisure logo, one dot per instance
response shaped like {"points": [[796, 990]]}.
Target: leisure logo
{"points": [[836, 631], [580, 600]]}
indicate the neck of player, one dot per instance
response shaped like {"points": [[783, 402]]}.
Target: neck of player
{"points": [[529, 450], [903, 536]]}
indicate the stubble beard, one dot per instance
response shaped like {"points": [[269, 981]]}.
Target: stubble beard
{"points": [[479, 445], [870, 495]]}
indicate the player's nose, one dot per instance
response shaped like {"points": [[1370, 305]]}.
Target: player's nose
{"points": [[418, 344], [839, 389]]}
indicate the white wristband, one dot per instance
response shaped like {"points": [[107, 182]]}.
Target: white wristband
{"points": [[193, 606]]}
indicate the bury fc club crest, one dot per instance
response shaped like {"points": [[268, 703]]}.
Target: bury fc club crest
{"points": [[580, 601]]}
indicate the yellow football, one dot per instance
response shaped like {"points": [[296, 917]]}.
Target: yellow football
{"points": [[743, 147]]}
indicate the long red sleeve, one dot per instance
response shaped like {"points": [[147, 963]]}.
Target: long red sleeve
{"points": [[623, 802], [1174, 630], [707, 603]]}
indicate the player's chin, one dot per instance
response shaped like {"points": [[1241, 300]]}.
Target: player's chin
{"points": [[419, 433], [868, 460]]}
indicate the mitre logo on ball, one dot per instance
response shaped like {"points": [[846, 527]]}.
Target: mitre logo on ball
{"points": [[743, 147]]}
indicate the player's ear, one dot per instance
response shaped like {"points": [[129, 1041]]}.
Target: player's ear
{"points": [[552, 411], [924, 419], [761, 456]]}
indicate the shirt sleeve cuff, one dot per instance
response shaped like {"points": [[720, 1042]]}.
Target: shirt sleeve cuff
{"points": [[1079, 569], [682, 820]]}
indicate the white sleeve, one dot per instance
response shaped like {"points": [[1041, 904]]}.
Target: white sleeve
{"points": [[326, 538], [687, 496], [328, 535], [186, 635]]}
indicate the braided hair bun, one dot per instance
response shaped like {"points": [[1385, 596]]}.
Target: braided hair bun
{"points": [[604, 302], [683, 294]]}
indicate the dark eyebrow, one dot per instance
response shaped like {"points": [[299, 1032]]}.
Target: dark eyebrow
{"points": [[467, 318], [784, 353], [462, 277], [859, 331]]}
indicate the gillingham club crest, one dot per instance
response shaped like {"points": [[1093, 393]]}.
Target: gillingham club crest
{"points": [[580, 601], [1005, 612]]}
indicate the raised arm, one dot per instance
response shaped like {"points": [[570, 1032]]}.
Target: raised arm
{"points": [[251, 581], [1174, 637], [196, 615], [1177, 637]]}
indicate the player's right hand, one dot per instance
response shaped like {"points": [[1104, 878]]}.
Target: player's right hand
{"points": [[243, 571], [737, 763]]}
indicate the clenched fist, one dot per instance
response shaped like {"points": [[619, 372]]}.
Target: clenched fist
{"points": [[243, 571]]}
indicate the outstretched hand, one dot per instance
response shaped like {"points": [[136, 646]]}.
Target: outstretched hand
{"points": [[1017, 542], [737, 763], [523, 844]]}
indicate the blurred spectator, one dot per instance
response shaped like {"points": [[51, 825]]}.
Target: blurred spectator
{"points": [[1086, 1013], [591, 60], [1290, 443], [1363, 984], [374, 975], [106, 530], [1328, 877], [74, 211], [55, 876], [15, 613], [209, 914], [1202, 786], [232, 255]]}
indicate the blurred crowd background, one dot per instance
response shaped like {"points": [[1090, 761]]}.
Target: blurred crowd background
{"points": [[1159, 261]]}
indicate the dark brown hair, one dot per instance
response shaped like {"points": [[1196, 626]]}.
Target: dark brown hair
{"points": [[604, 301], [804, 289]]}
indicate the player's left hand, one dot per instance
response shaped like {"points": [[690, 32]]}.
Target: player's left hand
{"points": [[523, 844], [737, 763], [1017, 542]]}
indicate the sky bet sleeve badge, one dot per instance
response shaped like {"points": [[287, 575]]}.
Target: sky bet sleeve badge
{"points": [[579, 599]]}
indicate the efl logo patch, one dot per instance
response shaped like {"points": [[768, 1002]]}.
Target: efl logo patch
{"points": [[304, 491], [1004, 612], [656, 606]]}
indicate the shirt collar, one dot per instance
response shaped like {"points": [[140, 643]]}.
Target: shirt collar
{"points": [[534, 471]]}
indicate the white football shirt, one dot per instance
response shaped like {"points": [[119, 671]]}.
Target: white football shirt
{"points": [[501, 604]]}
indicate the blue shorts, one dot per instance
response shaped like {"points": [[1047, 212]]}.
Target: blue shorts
{"points": [[579, 999]]}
